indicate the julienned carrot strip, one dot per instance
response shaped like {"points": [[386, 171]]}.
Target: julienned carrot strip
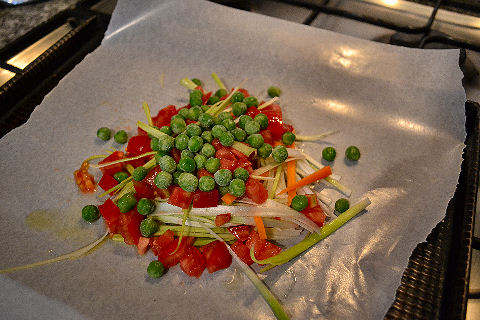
{"points": [[317, 175], [291, 177], [228, 198], [260, 227]]}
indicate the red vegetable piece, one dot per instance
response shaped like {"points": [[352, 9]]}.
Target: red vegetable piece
{"points": [[252, 112], [256, 191], [114, 168], [241, 232], [287, 128], [136, 146], [164, 115], [160, 243], [315, 214], [130, 226], [205, 97], [263, 249], [107, 182], [180, 198], [242, 251], [142, 245], [267, 136], [216, 144], [221, 219], [203, 199], [193, 262], [245, 92], [217, 256], [171, 255], [143, 190], [176, 154], [111, 214], [203, 172], [275, 122]]}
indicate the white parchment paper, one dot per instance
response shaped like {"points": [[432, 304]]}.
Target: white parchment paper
{"points": [[404, 108]]}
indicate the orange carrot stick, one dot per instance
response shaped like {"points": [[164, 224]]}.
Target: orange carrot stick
{"points": [[228, 198], [317, 175], [291, 180], [260, 227]]}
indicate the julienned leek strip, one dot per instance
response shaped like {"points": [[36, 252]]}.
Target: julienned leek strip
{"points": [[72, 255], [267, 103], [314, 137], [151, 130], [123, 160], [218, 81], [146, 109]]}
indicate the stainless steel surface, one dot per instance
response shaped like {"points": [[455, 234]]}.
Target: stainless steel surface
{"points": [[5, 75], [18, 2]]}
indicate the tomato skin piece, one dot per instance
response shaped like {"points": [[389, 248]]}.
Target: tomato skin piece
{"points": [[143, 190], [263, 249], [202, 199], [221, 219], [114, 168], [216, 144], [161, 243], [107, 182], [149, 180], [241, 232], [252, 112], [256, 191], [169, 257], [111, 214], [203, 172], [275, 122], [216, 255], [242, 251], [130, 226], [315, 214], [193, 262], [176, 155], [180, 198], [136, 146], [164, 115], [267, 136], [142, 245]]}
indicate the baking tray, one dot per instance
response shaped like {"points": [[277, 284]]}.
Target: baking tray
{"points": [[434, 284]]}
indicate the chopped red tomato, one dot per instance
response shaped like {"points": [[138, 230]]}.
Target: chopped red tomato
{"points": [[170, 256], [176, 154], [312, 200], [315, 214], [256, 191], [161, 243], [205, 97], [252, 112], [203, 172], [267, 136], [142, 245], [217, 256], [241, 232], [143, 190], [129, 226], [164, 115], [275, 122], [244, 91], [180, 198], [114, 168], [227, 159], [242, 251], [150, 181], [221, 219], [136, 146], [107, 182], [203, 199], [263, 249], [111, 214], [83, 179], [193, 262], [287, 128], [216, 144]]}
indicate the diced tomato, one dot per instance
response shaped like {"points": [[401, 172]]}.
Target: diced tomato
{"points": [[242, 251], [225, 153], [205, 97], [275, 122], [180, 198], [241, 232], [142, 245], [217, 256], [315, 214], [83, 179], [267, 136], [114, 168], [164, 115], [221, 219], [256, 191], [238, 155], [130, 226], [176, 154], [216, 144], [150, 181], [245, 92], [263, 249], [287, 128], [141, 132], [252, 112], [193, 262], [228, 164], [203, 172], [136, 146], [107, 182], [202, 199], [168, 257], [111, 214], [161, 243], [143, 190], [312, 200]]}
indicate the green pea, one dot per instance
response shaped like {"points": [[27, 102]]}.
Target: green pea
{"points": [[255, 140], [196, 98], [184, 113], [195, 144], [181, 141], [280, 154], [178, 125], [194, 112], [205, 120], [139, 173], [251, 101], [224, 115], [237, 187], [159, 155], [193, 129], [155, 269], [120, 137], [226, 139], [252, 127], [126, 203], [145, 206], [149, 135], [288, 138], [178, 116], [223, 190], [208, 150], [187, 154], [239, 108], [239, 134], [166, 130], [342, 205], [264, 151], [187, 164], [213, 100], [221, 93], [90, 213], [120, 176], [223, 177], [104, 133], [154, 144], [244, 119], [216, 120], [205, 107], [212, 165], [262, 120], [329, 153], [200, 160], [206, 183], [148, 227], [352, 153], [163, 179], [188, 182], [197, 81], [217, 130], [241, 173], [229, 124], [237, 97], [167, 163], [299, 202], [166, 143], [274, 91], [176, 175], [207, 136]]}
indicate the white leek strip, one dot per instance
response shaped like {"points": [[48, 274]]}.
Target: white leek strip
{"points": [[243, 148], [323, 198], [187, 83], [314, 137], [273, 190], [151, 130], [261, 287], [70, 256], [123, 160], [146, 109], [262, 178], [213, 108], [343, 189], [267, 103], [218, 81], [268, 167], [222, 104], [162, 80], [128, 188], [98, 156]]}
